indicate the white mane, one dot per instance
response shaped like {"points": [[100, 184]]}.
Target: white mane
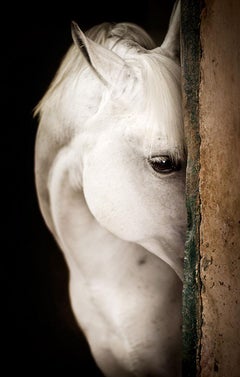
{"points": [[107, 34], [160, 98]]}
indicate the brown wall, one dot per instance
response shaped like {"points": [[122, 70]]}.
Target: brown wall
{"points": [[220, 188]]}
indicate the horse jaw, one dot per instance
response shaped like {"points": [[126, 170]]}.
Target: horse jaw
{"points": [[138, 208]]}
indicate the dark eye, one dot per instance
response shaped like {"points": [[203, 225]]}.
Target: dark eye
{"points": [[164, 164]]}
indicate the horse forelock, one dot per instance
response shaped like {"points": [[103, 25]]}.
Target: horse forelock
{"points": [[150, 99], [162, 102]]}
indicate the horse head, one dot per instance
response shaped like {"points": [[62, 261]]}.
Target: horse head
{"points": [[110, 178]]}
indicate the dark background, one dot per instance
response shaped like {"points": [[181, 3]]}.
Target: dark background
{"points": [[39, 333]]}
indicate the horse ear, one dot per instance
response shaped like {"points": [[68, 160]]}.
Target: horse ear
{"points": [[171, 44], [102, 60]]}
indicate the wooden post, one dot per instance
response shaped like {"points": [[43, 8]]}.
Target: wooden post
{"points": [[211, 98], [220, 188]]}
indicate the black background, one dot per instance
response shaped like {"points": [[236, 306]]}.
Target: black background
{"points": [[39, 332]]}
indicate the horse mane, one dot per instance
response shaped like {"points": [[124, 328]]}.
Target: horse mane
{"points": [[127, 32], [107, 34], [161, 79]]}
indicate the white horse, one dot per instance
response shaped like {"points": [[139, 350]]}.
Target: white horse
{"points": [[110, 178]]}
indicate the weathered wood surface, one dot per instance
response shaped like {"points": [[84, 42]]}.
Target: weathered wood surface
{"points": [[220, 188]]}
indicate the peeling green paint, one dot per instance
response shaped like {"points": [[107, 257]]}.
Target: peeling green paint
{"points": [[191, 54]]}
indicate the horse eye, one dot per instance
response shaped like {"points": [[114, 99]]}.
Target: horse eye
{"points": [[164, 164]]}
